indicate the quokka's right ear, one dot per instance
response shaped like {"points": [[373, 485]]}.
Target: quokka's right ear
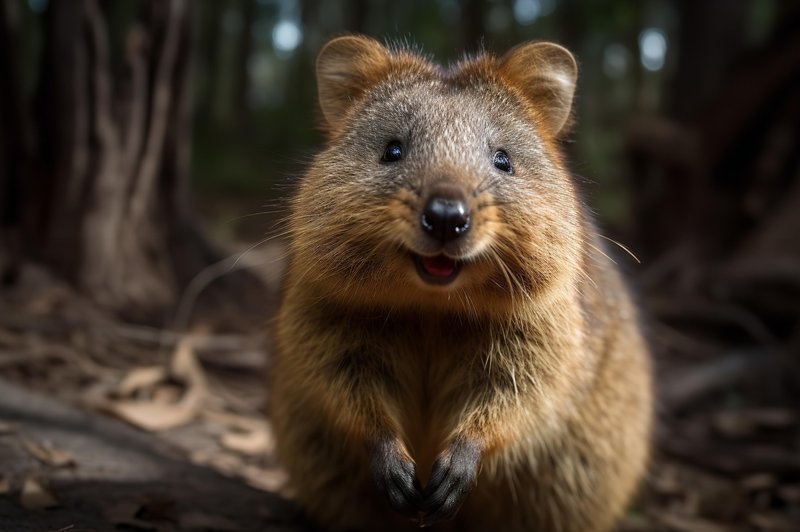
{"points": [[346, 68], [546, 74]]}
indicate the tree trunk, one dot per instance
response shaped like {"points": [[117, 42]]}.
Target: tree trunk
{"points": [[110, 201], [15, 143], [243, 53], [473, 25], [356, 16], [209, 50], [710, 38]]}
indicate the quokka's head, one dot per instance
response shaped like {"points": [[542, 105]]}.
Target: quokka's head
{"points": [[439, 187]]}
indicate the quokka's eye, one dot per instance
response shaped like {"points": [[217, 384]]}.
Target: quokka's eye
{"points": [[393, 152], [501, 161]]}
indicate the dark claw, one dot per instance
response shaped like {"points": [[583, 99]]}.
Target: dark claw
{"points": [[452, 478], [396, 477]]}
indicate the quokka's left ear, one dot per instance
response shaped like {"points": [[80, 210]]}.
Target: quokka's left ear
{"points": [[546, 74]]}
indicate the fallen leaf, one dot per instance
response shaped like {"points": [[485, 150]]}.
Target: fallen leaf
{"points": [[48, 455], [167, 393], [156, 416], [184, 365], [274, 480], [252, 443], [202, 456], [153, 416], [5, 485], [684, 523], [35, 496], [141, 378]]}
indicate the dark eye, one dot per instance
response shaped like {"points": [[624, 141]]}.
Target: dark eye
{"points": [[393, 152], [501, 161]]}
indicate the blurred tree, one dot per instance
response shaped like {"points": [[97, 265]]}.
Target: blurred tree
{"points": [[244, 52], [711, 36], [109, 195], [357, 12], [473, 28], [15, 136], [717, 180], [724, 158], [209, 56]]}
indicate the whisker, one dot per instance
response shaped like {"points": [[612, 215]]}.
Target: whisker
{"points": [[493, 180], [600, 251], [628, 251], [254, 246], [250, 215]]}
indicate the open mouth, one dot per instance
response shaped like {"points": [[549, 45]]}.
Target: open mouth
{"points": [[439, 269]]}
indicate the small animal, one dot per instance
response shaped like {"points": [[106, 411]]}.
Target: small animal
{"points": [[453, 348]]}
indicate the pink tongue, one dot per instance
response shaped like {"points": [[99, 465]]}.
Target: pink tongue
{"points": [[439, 266]]}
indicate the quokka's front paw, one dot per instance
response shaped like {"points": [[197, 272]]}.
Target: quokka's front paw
{"points": [[396, 478], [452, 478]]}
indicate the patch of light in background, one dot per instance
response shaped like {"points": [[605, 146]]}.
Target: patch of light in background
{"points": [[37, 6], [286, 37], [527, 11], [652, 49], [274, 43], [616, 60]]}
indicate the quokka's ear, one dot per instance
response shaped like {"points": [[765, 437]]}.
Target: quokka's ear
{"points": [[546, 74], [346, 67]]}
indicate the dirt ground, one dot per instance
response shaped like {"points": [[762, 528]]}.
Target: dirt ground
{"points": [[109, 426]]}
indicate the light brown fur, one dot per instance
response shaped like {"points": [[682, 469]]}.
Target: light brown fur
{"points": [[533, 353]]}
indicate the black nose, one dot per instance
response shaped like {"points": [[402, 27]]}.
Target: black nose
{"points": [[445, 218]]}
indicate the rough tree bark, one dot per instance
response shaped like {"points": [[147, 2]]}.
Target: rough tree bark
{"points": [[110, 198], [101, 223]]}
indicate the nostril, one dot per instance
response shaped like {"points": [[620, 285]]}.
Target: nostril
{"points": [[444, 218], [426, 223], [460, 219]]}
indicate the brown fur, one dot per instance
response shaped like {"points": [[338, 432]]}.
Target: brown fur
{"points": [[532, 354]]}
